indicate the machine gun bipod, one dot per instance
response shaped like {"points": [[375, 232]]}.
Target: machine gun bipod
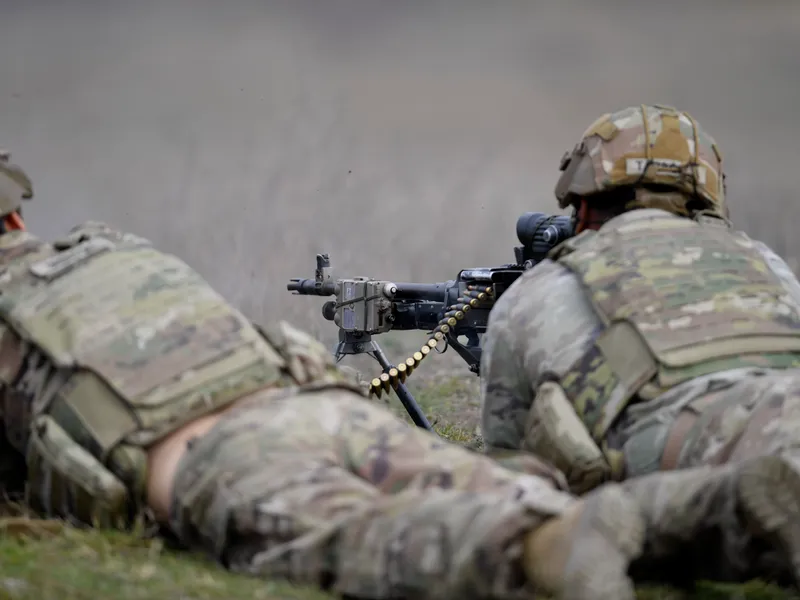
{"points": [[356, 342]]}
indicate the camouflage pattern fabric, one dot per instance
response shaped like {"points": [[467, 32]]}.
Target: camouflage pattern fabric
{"points": [[645, 145], [326, 487], [668, 290], [113, 304], [714, 523], [739, 457], [538, 330], [108, 345], [736, 414]]}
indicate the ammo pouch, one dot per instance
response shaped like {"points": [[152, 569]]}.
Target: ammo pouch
{"points": [[66, 481], [555, 433]]}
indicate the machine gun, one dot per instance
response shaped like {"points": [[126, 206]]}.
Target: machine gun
{"points": [[448, 311]]}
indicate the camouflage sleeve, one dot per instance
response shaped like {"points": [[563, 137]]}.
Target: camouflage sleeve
{"points": [[540, 326], [506, 393], [781, 270]]}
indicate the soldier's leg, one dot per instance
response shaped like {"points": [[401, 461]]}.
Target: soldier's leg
{"points": [[696, 528], [769, 487], [748, 421], [328, 489], [423, 461]]}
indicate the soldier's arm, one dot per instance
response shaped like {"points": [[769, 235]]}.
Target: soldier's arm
{"points": [[537, 330], [506, 393], [781, 270], [560, 323]]}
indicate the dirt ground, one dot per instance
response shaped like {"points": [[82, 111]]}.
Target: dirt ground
{"points": [[404, 138]]}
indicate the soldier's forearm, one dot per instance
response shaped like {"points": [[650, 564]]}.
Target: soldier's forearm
{"points": [[443, 544]]}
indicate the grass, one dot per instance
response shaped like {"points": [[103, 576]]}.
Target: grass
{"points": [[44, 561], [36, 564], [77, 565]]}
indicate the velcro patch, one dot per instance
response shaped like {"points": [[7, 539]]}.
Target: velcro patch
{"points": [[57, 265], [662, 166]]}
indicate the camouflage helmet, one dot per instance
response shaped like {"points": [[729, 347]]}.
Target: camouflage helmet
{"points": [[671, 152], [15, 185]]}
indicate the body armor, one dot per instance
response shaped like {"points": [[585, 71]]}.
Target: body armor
{"points": [[678, 298], [106, 346]]}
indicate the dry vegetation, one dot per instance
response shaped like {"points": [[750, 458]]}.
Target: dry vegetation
{"points": [[89, 565], [403, 137]]}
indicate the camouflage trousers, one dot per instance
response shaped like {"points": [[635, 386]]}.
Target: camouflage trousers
{"points": [[704, 433], [713, 420], [328, 489]]}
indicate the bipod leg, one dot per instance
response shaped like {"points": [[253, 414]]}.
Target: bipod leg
{"points": [[362, 343], [406, 398]]}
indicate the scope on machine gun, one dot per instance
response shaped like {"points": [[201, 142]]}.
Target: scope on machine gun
{"points": [[539, 233], [447, 310]]}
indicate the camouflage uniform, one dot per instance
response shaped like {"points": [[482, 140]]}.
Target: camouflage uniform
{"points": [[108, 345], [664, 340], [324, 488]]}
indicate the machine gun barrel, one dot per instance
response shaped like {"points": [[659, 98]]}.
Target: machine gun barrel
{"points": [[311, 287], [433, 292]]}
